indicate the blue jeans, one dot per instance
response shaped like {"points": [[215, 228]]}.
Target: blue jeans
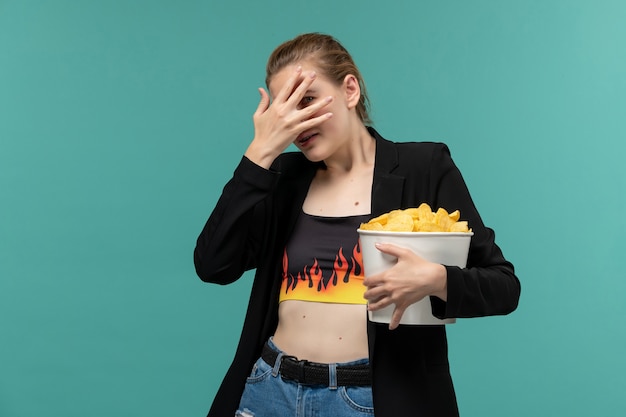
{"points": [[267, 395]]}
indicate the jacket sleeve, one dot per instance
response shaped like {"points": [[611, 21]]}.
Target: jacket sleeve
{"points": [[488, 285], [230, 241]]}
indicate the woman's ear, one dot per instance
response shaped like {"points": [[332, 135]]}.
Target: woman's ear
{"points": [[352, 90]]}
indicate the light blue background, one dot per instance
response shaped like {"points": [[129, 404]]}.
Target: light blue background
{"points": [[120, 121]]}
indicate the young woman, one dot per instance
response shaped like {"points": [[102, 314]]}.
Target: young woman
{"points": [[307, 348]]}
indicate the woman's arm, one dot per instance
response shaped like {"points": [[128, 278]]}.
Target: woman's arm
{"points": [[488, 285], [230, 240], [233, 235]]}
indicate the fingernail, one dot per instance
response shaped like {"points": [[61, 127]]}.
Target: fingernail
{"points": [[312, 74], [298, 68]]}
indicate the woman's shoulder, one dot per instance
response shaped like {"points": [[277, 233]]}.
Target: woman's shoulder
{"points": [[406, 143], [422, 147], [411, 149]]}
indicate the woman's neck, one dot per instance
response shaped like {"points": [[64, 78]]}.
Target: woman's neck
{"points": [[358, 154]]}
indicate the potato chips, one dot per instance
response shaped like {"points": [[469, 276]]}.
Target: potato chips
{"points": [[420, 219]]}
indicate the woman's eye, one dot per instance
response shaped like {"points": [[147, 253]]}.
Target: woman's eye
{"points": [[306, 101]]}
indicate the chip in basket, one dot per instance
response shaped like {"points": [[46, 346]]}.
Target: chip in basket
{"points": [[418, 219]]}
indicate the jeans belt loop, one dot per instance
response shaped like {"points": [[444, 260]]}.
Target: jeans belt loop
{"points": [[332, 376], [279, 361]]}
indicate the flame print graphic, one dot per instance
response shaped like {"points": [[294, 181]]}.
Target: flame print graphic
{"points": [[342, 284]]}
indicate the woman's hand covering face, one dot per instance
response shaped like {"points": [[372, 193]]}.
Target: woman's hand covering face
{"points": [[278, 124]]}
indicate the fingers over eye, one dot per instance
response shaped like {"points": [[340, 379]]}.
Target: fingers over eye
{"points": [[299, 90]]}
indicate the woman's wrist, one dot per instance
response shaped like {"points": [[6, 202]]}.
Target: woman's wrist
{"points": [[441, 282], [260, 155]]}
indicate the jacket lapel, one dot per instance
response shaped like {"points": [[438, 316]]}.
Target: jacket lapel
{"points": [[387, 187]]}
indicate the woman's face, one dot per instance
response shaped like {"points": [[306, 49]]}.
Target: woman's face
{"points": [[324, 140]]}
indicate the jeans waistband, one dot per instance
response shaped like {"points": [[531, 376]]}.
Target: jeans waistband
{"points": [[314, 373]]}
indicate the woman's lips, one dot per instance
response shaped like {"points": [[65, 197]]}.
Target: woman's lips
{"points": [[304, 138]]}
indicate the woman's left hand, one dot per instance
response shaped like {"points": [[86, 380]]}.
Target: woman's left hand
{"points": [[408, 281]]}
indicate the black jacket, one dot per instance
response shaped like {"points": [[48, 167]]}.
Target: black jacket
{"points": [[249, 227]]}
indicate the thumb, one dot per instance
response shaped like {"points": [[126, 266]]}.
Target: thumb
{"points": [[264, 103], [396, 317], [390, 249]]}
